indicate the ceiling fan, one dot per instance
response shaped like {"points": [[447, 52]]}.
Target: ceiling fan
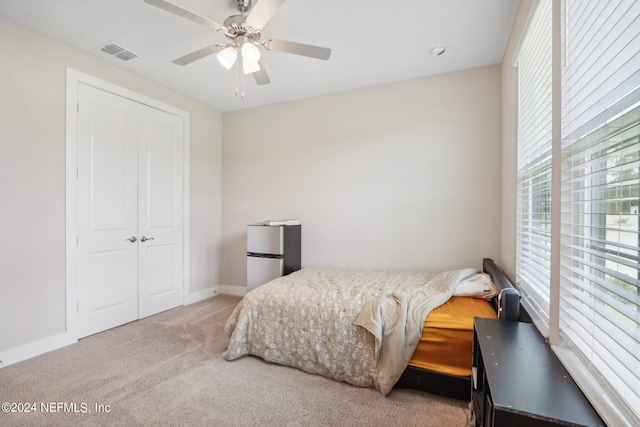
{"points": [[243, 32]]}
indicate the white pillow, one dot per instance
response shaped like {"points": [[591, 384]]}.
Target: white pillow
{"points": [[477, 285]]}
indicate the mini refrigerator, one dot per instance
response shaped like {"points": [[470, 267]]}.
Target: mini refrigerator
{"points": [[272, 251]]}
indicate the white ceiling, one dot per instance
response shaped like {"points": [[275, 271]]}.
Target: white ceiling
{"points": [[373, 42]]}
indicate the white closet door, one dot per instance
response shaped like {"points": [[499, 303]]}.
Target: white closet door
{"points": [[107, 211], [130, 198], [160, 212]]}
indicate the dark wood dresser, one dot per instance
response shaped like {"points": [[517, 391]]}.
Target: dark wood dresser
{"points": [[518, 381]]}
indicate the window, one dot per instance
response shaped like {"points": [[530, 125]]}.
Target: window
{"points": [[600, 301], [534, 161], [598, 280]]}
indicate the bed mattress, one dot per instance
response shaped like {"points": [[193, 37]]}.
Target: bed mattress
{"points": [[447, 337]]}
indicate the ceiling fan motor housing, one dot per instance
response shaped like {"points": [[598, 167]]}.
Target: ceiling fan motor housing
{"points": [[236, 27]]}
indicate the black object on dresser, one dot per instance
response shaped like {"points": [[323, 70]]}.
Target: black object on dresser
{"points": [[518, 381]]}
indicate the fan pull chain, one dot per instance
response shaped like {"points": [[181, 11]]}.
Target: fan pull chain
{"points": [[241, 85], [236, 73], [239, 71]]}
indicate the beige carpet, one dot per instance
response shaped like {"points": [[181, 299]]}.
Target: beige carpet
{"points": [[168, 370]]}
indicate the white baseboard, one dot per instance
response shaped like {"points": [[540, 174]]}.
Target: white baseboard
{"points": [[237, 291], [200, 295], [33, 349]]}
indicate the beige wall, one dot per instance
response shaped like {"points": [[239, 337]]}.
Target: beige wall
{"points": [[509, 140], [399, 176], [32, 181]]}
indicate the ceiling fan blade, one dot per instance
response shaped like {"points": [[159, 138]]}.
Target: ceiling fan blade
{"points": [[199, 54], [261, 76], [262, 12], [170, 7], [298, 49]]}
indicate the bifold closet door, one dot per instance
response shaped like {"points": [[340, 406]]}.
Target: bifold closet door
{"points": [[129, 210]]}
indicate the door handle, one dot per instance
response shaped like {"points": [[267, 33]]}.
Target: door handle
{"points": [[144, 239], [132, 239]]}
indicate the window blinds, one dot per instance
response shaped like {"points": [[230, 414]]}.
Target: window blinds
{"points": [[600, 70], [600, 281], [534, 160]]}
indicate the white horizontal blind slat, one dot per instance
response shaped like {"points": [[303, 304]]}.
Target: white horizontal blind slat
{"points": [[534, 161]]}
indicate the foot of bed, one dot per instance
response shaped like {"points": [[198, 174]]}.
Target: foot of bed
{"points": [[436, 383]]}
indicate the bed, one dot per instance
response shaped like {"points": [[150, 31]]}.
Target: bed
{"points": [[506, 306], [363, 327]]}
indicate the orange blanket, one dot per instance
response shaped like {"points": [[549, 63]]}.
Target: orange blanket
{"points": [[447, 336]]}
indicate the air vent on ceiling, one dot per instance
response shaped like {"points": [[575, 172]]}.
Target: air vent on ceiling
{"points": [[117, 51]]}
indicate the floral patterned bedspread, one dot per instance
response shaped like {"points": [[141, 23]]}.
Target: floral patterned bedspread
{"points": [[357, 326]]}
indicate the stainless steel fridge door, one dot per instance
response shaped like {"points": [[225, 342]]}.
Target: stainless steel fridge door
{"points": [[260, 270], [264, 239]]}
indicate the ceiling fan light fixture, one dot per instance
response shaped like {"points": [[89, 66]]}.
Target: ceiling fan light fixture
{"points": [[250, 67], [227, 56], [250, 53]]}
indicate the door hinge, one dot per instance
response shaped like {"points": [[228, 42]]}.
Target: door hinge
{"points": [[78, 306], [77, 240]]}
